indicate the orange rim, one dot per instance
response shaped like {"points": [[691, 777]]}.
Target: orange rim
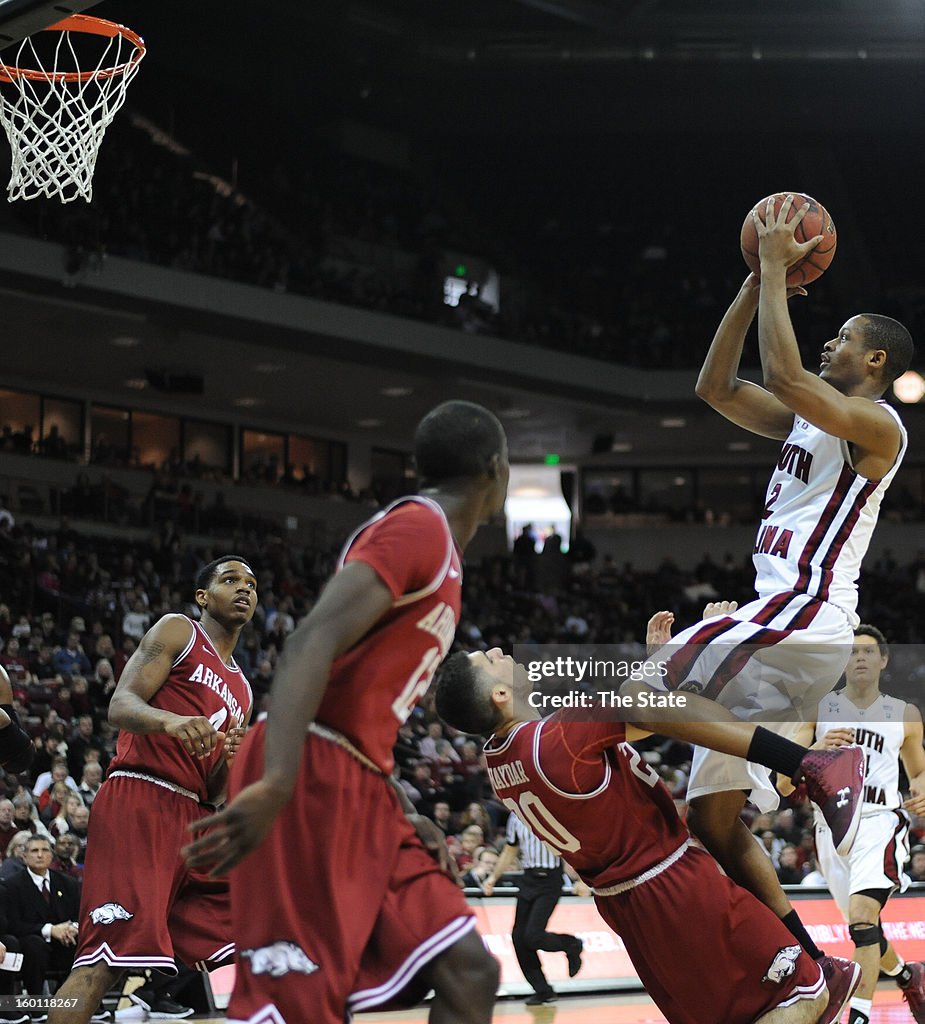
{"points": [[90, 26]]}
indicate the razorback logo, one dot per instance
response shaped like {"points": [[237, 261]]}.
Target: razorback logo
{"points": [[109, 913], [783, 965], [278, 959]]}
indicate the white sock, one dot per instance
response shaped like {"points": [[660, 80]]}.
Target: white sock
{"points": [[863, 1005], [899, 966]]}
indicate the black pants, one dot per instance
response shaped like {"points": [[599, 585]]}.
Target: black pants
{"points": [[39, 957], [536, 901]]}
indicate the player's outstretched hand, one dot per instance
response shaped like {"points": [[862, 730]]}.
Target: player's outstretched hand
{"points": [[753, 282], [834, 738], [776, 240], [658, 630], [227, 837], [197, 734], [714, 608], [433, 838]]}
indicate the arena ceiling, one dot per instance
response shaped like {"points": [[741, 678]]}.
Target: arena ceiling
{"points": [[235, 82]]}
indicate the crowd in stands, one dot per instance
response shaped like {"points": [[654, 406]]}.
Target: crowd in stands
{"points": [[581, 270]]}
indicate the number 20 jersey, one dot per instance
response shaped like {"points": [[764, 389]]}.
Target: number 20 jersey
{"points": [[374, 686], [588, 795]]}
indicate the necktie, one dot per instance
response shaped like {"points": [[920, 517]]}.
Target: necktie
{"points": [[46, 892]]}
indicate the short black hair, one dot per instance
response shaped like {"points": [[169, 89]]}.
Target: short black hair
{"points": [[456, 441], [865, 629], [461, 699], [207, 573], [890, 335]]}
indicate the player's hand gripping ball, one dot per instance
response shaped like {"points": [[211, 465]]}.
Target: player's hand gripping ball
{"points": [[817, 221]]}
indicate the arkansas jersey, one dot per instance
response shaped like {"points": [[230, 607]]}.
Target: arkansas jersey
{"points": [[880, 730], [375, 685], [567, 779], [819, 516], [200, 683]]}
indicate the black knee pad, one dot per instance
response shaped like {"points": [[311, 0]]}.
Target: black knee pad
{"points": [[884, 941], [865, 934]]}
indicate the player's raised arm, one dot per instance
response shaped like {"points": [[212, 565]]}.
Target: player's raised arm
{"points": [[913, 758], [352, 603], [719, 384], [857, 369], [16, 749]]}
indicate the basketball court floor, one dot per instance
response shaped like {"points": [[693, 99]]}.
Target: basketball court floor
{"points": [[618, 1008]]}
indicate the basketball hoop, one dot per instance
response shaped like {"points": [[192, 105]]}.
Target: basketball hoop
{"points": [[55, 114]]}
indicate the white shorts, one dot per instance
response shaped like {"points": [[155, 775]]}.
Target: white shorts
{"points": [[770, 661], [876, 860]]}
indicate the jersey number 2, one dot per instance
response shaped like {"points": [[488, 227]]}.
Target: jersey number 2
{"points": [[533, 811]]}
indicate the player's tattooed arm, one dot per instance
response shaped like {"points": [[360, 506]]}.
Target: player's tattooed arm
{"points": [[146, 672]]}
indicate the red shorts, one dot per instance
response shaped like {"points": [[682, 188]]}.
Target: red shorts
{"points": [[707, 950], [141, 906], [341, 906]]}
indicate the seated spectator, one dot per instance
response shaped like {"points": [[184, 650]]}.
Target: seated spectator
{"points": [[136, 622], [8, 828], [475, 814], [67, 848], [428, 745], [43, 908], [83, 739], [464, 846], [90, 782], [916, 868], [70, 660], [25, 815], [58, 773], [15, 857], [485, 862], [441, 817], [52, 802], [788, 868], [78, 823], [10, 981], [64, 820]]}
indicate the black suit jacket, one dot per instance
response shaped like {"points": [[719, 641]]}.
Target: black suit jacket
{"points": [[26, 910]]}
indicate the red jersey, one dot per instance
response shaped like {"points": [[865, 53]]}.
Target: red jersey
{"points": [[588, 795], [200, 683], [375, 685]]}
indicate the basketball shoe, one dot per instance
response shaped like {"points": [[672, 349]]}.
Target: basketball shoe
{"points": [[159, 1007], [835, 783], [914, 992], [842, 978]]}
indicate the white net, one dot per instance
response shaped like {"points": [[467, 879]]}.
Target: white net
{"points": [[56, 112]]}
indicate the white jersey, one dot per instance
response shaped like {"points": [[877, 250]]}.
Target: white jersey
{"points": [[819, 516], [880, 731]]}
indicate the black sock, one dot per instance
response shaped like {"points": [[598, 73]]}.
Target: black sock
{"points": [[795, 926], [904, 976], [856, 1017], [775, 752]]}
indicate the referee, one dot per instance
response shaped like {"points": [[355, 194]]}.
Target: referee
{"points": [[539, 892]]}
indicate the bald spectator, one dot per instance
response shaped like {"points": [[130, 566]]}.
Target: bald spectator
{"points": [[90, 781], [8, 828]]}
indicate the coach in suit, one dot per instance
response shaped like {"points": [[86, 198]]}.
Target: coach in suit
{"points": [[42, 908]]}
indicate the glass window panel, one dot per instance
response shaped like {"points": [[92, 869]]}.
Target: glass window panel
{"points": [[20, 413], [668, 491], [61, 427], [208, 444], [109, 435], [262, 455], [155, 439]]}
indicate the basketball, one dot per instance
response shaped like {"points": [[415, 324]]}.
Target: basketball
{"points": [[816, 222]]}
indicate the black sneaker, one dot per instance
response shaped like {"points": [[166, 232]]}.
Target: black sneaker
{"points": [[159, 1007], [574, 957], [539, 998]]}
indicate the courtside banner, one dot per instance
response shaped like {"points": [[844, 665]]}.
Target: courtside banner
{"points": [[605, 965]]}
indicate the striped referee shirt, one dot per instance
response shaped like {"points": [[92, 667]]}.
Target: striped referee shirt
{"points": [[533, 852]]}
